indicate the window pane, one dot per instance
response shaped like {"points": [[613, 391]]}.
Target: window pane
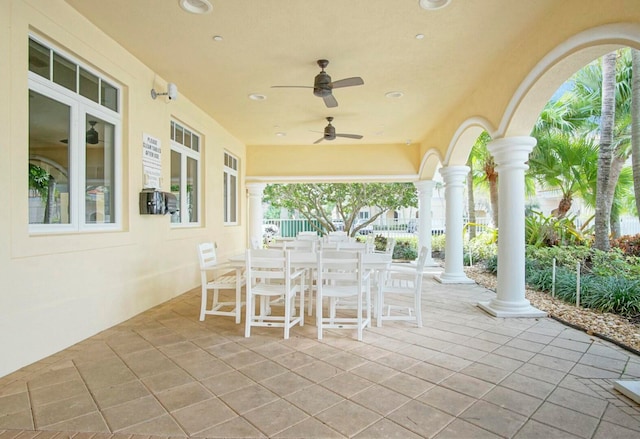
{"points": [[225, 189], [173, 131], [187, 138], [195, 143], [88, 85], [192, 189], [179, 132], [99, 171], [109, 96], [233, 198], [49, 135], [64, 72], [39, 59], [175, 182]]}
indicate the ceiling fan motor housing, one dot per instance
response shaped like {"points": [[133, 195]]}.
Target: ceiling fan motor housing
{"points": [[329, 132], [322, 85]]}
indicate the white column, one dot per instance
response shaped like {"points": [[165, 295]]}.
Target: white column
{"points": [[425, 193], [454, 178], [511, 154], [255, 191]]}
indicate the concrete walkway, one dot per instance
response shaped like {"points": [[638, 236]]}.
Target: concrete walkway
{"points": [[464, 374]]}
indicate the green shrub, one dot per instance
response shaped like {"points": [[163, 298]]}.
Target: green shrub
{"points": [[406, 249], [438, 243], [545, 231]]}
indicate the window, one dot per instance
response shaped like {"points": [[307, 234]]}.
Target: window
{"points": [[230, 186], [74, 145], [185, 174]]}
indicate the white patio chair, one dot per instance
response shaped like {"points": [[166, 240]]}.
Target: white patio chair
{"points": [[403, 281], [336, 236], [308, 235], [215, 277], [270, 276], [301, 245], [389, 247], [352, 246], [341, 276]]}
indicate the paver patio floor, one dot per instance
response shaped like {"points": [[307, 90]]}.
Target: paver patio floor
{"points": [[465, 374]]}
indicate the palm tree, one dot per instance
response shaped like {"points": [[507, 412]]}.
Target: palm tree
{"points": [[635, 128], [605, 154], [567, 163], [485, 173]]}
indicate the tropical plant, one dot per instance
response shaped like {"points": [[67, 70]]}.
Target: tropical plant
{"points": [[547, 231]]}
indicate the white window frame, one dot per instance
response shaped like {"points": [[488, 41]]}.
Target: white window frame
{"points": [[186, 152], [228, 172], [80, 106]]}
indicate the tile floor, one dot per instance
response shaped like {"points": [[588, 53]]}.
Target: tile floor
{"points": [[463, 375]]}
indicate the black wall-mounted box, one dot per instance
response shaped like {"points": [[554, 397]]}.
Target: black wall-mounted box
{"points": [[153, 202]]}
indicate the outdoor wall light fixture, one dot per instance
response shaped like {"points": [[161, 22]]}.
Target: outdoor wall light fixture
{"points": [[431, 5], [171, 93]]}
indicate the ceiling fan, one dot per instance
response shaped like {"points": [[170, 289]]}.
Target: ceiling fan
{"points": [[92, 135], [322, 85], [330, 133]]}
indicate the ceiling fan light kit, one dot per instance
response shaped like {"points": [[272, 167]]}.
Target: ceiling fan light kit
{"points": [[196, 6]]}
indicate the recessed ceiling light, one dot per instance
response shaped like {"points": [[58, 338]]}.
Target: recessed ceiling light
{"points": [[281, 134], [431, 5], [419, 36], [394, 94], [257, 97], [196, 6], [218, 38]]}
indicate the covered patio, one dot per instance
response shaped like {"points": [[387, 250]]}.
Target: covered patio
{"points": [[465, 374]]}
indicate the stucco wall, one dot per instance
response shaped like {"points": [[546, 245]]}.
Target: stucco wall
{"points": [[56, 290]]}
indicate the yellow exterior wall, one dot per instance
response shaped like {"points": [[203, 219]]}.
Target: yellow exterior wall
{"points": [[341, 162], [57, 289]]}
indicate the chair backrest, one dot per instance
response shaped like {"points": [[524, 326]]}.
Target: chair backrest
{"points": [[422, 259], [307, 235], [391, 244], [340, 267], [337, 236], [352, 246], [264, 265], [301, 245], [207, 255]]}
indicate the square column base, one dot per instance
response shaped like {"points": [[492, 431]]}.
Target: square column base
{"points": [[629, 388], [461, 278], [527, 311]]}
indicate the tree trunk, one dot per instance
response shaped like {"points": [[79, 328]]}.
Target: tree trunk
{"points": [[605, 154], [471, 201], [492, 178], [635, 125], [617, 163]]}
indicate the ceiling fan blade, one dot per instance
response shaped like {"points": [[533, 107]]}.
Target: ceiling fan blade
{"points": [[348, 82], [319, 140], [290, 86], [350, 136], [330, 101]]}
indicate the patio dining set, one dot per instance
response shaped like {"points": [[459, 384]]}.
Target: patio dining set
{"points": [[335, 273]]}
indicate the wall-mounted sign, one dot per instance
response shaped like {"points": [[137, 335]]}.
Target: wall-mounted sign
{"points": [[151, 162]]}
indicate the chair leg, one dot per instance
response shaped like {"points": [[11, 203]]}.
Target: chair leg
{"points": [[203, 303], [418, 309], [249, 316], [288, 303], [319, 315], [302, 300], [238, 298], [359, 317]]}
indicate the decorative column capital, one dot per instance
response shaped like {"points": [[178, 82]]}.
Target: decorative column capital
{"points": [[255, 189], [424, 186], [454, 174], [512, 152]]}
